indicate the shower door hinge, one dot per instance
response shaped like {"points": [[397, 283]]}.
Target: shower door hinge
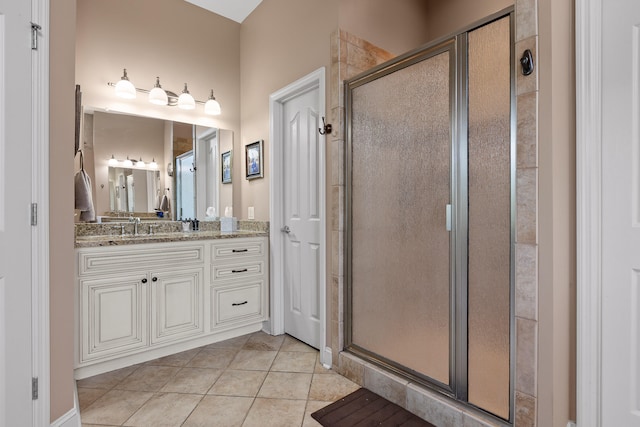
{"points": [[34, 388], [34, 214], [34, 35]]}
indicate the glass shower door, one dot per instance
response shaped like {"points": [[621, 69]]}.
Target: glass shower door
{"points": [[400, 156]]}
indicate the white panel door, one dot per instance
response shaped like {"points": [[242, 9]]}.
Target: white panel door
{"points": [[621, 213], [15, 229], [302, 218]]}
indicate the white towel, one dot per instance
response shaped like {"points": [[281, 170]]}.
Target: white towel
{"points": [[84, 201], [164, 205]]}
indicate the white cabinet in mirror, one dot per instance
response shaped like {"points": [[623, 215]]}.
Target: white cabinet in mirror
{"points": [[196, 184]]}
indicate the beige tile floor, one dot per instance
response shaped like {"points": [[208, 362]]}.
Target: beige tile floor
{"points": [[254, 380]]}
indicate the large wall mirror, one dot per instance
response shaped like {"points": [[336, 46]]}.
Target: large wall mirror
{"points": [[142, 166]]}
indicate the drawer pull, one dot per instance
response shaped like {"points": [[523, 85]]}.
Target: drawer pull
{"points": [[235, 251], [235, 304], [144, 280], [244, 270]]}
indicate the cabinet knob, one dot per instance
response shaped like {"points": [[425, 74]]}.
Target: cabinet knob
{"points": [[155, 279], [144, 280]]}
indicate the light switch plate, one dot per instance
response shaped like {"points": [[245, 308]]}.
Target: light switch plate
{"points": [[251, 213]]}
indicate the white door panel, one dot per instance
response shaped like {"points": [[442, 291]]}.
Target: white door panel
{"points": [[16, 407], [302, 215], [621, 214]]}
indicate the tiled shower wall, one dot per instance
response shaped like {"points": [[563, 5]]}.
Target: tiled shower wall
{"points": [[351, 56]]}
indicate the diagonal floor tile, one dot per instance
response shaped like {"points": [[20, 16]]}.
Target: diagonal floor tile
{"points": [[262, 341], [107, 380], [312, 406], [253, 360], [330, 387], [164, 410], [238, 383], [86, 396], [275, 413], [286, 385], [148, 378], [220, 411], [237, 342], [115, 407], [216, 358], [192, 380], [287, 361], [292, 344]]}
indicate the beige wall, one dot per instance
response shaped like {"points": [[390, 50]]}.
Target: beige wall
{"points": [[446, 17], [61, 137], [395, 26], [557, 277], [281, 41]]}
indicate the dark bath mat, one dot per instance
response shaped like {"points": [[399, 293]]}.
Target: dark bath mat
{"points": [[363, 408]]}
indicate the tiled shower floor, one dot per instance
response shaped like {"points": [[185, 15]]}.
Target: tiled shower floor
{"points": [[254, 380]]}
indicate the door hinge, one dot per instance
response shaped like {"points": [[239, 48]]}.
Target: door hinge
{"points": [[34, 214], [34, 388], [34, 35]]}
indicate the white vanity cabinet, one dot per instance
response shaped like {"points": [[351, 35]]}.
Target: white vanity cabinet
{"points": [[239, 282], [137, 302]]}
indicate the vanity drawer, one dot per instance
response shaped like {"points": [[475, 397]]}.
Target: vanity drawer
{"points": [[115, 259], [233, 271], [238, 249], [238, 304]]}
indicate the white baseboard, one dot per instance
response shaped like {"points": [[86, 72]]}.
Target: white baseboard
{"points": [[326, 358], [571, 424], [71, 418]]}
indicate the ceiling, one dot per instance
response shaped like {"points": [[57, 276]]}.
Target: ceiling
{"points": [[236, 10]]}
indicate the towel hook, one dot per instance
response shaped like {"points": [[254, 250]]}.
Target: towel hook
{"points": [[326, 128]]}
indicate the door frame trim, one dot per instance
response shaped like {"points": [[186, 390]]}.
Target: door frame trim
{"points": [[589, 211], [40, 233], [316, 79]]}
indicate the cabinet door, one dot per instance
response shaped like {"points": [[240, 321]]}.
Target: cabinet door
{"points": [[176, 304], [113, 313]]}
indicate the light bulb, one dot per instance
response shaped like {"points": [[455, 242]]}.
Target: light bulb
{"points": [[140, 163], [124, 88], [127, 163], [157, 95], [113, 161], [153, 164], [212, 106], [185, 100]]}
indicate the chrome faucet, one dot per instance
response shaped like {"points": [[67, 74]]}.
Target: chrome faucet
{"points": [[135, 221]]}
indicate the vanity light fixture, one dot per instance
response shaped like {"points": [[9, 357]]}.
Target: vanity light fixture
{"points": [[129, 163], [159, 96], [212, 106], [185, 100], [124, 88]]}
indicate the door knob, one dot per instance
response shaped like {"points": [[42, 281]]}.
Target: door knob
{"points": [[286, 229]]}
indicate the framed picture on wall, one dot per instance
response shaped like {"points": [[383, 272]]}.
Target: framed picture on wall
{"points": [[253, 160], [226, 167]]}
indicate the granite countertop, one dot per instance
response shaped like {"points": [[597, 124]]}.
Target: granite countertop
{"points": [[97, 241], [97, 235]]}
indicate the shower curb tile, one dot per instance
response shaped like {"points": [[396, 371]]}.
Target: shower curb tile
{"points": [[351, 367], [432, 407], [387, 385], [525, 410], [471, 420]]}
